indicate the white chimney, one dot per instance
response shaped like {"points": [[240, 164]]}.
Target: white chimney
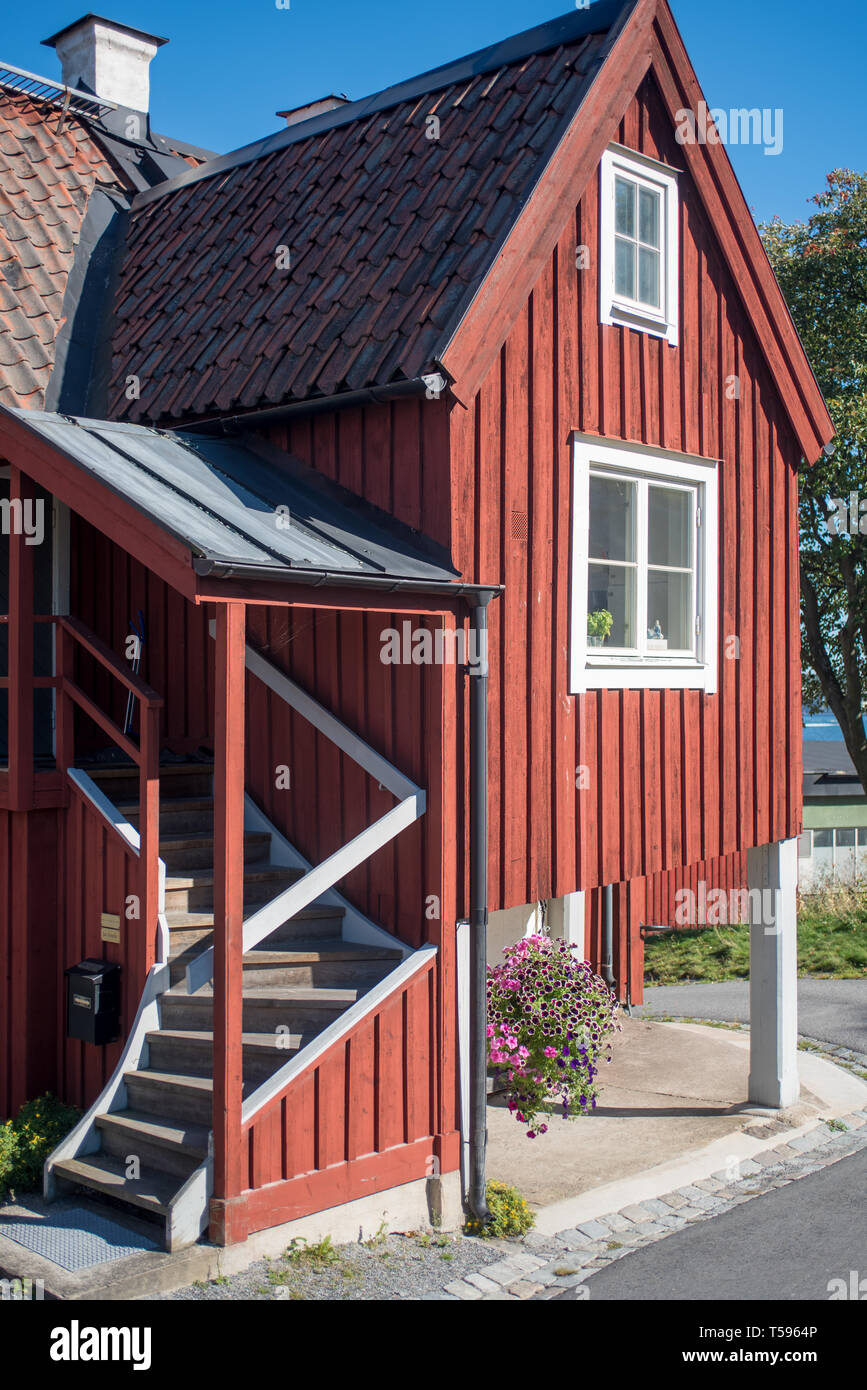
{"points": [[109, 59]]}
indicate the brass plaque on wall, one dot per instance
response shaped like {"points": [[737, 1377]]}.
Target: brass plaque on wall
{"points": [[110, 923]]}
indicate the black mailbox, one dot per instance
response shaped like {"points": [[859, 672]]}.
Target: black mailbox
{"points": [[93, 1001]]}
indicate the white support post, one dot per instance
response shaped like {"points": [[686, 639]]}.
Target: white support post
{"points": [[566, 918], [772, 875]]}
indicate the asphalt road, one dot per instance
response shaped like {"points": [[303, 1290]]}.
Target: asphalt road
{"points": [[833, 1011], [787, 1244]]}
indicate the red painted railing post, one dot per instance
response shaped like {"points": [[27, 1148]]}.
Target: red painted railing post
{"points": [[20, 644], [228, 1216], [149, 831]]}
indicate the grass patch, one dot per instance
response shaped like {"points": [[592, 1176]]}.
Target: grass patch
{"points": [[832, 944]]}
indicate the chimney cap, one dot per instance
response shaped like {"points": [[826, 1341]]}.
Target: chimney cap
{"points": [[112, 24]]}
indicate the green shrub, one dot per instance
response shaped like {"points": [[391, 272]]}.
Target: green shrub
{"points": [[26, 1141], [511, 1214]]}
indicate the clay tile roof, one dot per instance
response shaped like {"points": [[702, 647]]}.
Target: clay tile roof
{"points": [[389, 232], [46, 178]]}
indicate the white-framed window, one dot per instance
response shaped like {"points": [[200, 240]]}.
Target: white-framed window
{"points": [[639, 243], [644, 568]]}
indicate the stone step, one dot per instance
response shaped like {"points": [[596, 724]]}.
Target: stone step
{"points": [[162, 1094], [195, 889], [190, 1052], [168, 1148], [266, 1009], [105, 1173], [195, 849]]}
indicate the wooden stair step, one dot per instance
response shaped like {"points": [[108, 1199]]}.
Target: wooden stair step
{"points": [[310, 996], [191, 1139], [152, 1191], [253, 1042], [181, 920], [257, 873]]}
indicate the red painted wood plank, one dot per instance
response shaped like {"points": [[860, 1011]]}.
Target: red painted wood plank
{"points": [[226, 1209]]}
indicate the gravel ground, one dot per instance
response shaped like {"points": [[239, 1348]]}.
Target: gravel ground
{"points": [[392, 1267]]}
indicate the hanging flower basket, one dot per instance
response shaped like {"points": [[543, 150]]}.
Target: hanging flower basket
{"points": [[550, 1021]]}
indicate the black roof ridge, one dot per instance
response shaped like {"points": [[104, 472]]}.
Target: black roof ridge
{"points": [[598, 18]]}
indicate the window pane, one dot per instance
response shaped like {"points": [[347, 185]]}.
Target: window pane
{"points": [[805, 844], [612, 525], [669, 611], [669, 527], [611, 589], [648, 216], [845, 839], [648, 276], [624, 267], [822, 839], [862, 838], [624, 207]]}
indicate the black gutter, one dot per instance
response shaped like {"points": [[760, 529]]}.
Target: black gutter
{"points": [[477, 670], [330, 579], [343, 400]]}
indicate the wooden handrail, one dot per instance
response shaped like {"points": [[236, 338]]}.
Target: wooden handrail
{"points": [[106, 657]]}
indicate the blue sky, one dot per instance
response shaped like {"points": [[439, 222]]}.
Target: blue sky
{"points": [[230, 66]]}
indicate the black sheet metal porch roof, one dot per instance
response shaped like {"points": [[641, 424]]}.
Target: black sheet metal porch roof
{"points": [[244, 507]]}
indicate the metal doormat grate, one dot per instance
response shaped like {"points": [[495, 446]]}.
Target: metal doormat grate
{"points": [[74, 1237]]}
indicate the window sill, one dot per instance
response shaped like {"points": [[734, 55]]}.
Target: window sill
{"points": [[644, 675], [619, 315]]}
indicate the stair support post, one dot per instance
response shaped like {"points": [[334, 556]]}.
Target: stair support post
{"points": [[227, 1211], [149, 831]]}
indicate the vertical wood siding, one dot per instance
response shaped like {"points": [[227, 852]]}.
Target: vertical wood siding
{"points": [[108, 588], [674, 777], [30, 956]]}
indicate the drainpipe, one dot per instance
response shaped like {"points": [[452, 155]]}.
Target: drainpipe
{"points": [[477, 669], [608, 938]]}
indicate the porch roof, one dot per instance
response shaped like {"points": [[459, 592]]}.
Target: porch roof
{"points": [[243, 507]]}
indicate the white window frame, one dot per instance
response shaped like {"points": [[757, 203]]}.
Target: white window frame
{"points": [[591, 668], [616, 309]]}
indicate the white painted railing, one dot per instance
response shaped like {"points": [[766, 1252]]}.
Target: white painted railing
{"points": [[411, 805]]}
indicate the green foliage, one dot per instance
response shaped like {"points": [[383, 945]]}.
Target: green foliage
{"points": [[832, 942], [599, 623], [28, 1139], [821, 265], [511, 1214], [317, 1256]]}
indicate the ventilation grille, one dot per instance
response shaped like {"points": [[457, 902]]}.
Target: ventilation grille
{"points": [[520, 526]]}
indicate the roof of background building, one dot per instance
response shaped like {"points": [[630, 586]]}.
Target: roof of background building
{"points": [[828, 769], [390, 233], [48, 171]]}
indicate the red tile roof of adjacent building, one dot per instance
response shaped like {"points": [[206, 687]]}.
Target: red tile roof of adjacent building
{"points": [[48, 171], [389, 231]]}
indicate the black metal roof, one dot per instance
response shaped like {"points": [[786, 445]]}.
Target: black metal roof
{"points": [[828, 770], [243, 507]]}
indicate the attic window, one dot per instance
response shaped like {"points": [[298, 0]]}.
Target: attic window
{"points": [[638, 255]]}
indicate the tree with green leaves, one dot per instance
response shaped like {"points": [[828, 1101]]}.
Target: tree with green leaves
{"points": [[821, 265]]}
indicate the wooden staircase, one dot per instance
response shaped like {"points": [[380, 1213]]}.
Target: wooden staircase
{"points": [[295, 984]]}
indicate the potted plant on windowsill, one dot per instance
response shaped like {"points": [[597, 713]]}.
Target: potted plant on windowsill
{"points": [[599, 625]]}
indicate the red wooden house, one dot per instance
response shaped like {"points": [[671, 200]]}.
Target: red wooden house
{"points": [[494, 351]]}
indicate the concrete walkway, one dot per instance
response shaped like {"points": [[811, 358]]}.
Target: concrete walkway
{"points": [[669, 1089], [832, 1011]]}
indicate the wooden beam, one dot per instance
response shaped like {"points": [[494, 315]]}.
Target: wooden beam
{"points": [[328, 597], [106, 510], [228, 1220], [21, 555]]}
